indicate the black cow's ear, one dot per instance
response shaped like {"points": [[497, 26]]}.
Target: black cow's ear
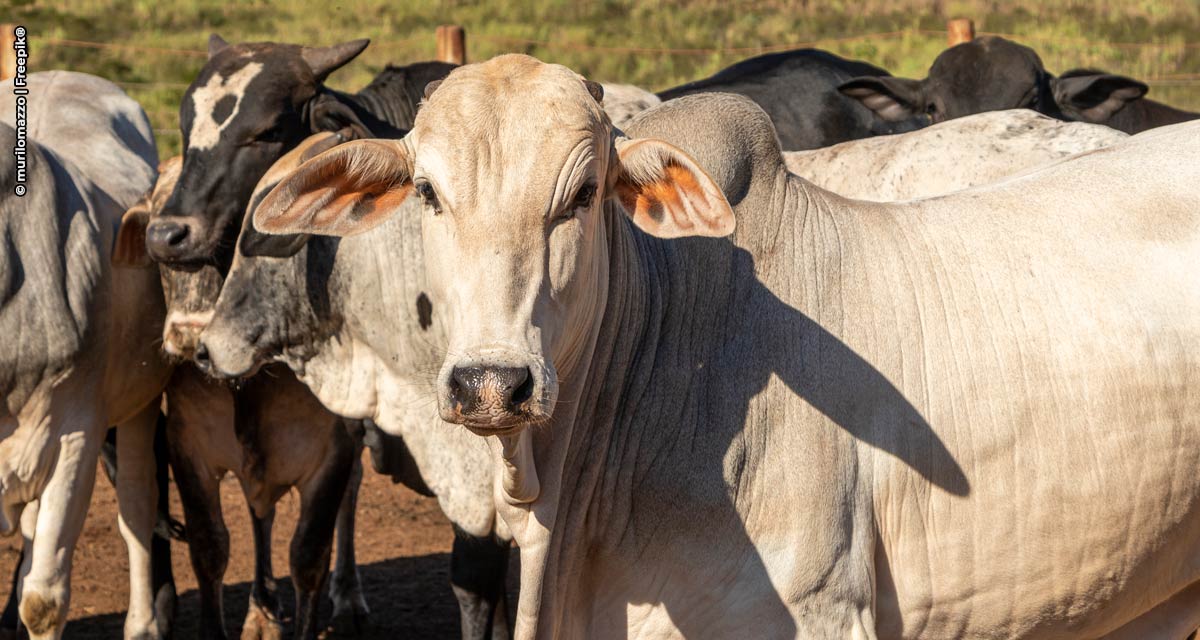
{"points": [[254, 244], [893, 99], [325, 60], [1095, 97], [327, 113], [215, 44]]}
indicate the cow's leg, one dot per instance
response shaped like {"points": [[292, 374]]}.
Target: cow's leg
{"points": [[137, 495], [28, 525], [9, 619], [321, 498], [208, 539], [263, 620], [345, 588], [478, 568], [160, 545], [46, 588]]}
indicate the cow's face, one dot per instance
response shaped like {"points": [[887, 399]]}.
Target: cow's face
{"points": [[264, 306], [515, 164], [248, 106], [986, 74]]}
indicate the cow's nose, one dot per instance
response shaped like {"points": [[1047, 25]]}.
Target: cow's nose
{"points": [[201, 358], [166, 238], [491, 390]]}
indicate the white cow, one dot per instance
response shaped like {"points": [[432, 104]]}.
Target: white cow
{"points": [[947, 156], [624, 101], [969, 416], [80, 348]]}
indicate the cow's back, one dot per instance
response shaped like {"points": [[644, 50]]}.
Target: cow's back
{"points": [[92, 125], [948, 156]]}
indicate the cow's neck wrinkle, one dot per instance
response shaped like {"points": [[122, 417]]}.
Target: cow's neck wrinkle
{"points": [[670, 304]]}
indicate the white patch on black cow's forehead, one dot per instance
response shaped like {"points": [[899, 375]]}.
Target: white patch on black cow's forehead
{"points": [[206, 130]]}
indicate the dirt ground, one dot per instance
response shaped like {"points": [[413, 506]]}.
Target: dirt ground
{"points": [[403, 547]]}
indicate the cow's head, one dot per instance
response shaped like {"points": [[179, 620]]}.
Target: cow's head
{"points": [[249, 105], [990, 74], [519, 173], [262, 305]]}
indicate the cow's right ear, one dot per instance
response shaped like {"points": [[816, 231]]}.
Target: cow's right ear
{"points": [[345, 191], [893, 99], [130, 247]]}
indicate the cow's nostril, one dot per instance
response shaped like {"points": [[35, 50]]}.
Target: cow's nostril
{"points": [[465, 383], [524, 390], [176, 235], [201, 357]]}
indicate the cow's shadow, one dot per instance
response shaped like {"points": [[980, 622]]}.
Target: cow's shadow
{"points": [[408, 596], [698, 431]]}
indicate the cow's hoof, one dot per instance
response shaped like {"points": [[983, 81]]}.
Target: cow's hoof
{"points": [[350, 621], [41, 615], [350, 611], [261, 625]]}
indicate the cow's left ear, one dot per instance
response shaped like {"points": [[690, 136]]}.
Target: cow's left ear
{"points": [[130, 247], [1095, 97], [325, 60], [667, 194], [345, 191]]}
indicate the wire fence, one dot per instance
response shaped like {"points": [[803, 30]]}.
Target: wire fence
{"points": [[717, 51], [165, 120]]}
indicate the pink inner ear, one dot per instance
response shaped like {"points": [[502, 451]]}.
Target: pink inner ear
{"points": [[130, 247]]}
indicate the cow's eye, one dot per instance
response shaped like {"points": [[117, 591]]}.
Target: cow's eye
{"points": [[583, 197], [274, 134], [425, 190]]}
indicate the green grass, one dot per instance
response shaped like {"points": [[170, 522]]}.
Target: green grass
{"points": [[1067, 33]]}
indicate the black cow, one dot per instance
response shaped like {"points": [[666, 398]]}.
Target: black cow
{"points": [[252, 103], [992, 74], [798, 90]]}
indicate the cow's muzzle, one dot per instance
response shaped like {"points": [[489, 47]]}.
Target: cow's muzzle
{"points": [[174, 241], [495, 398]]}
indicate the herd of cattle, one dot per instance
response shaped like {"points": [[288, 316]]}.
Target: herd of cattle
{"points": [[744, 366]]}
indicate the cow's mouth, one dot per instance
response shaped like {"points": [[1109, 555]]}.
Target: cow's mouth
{"points": [[491, 424]]}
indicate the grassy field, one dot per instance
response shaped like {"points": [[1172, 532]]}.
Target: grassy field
{"points": [[606, 39]]}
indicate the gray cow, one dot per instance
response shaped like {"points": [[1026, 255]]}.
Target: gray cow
{"points": [[966, 416], [273, 435], [317, 305], [79, 351]]}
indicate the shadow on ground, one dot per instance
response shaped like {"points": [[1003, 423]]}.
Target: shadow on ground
{"points": [[397, 590]]}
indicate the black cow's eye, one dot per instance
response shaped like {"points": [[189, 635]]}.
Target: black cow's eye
{"points": [[274, 134], [425, 190]]}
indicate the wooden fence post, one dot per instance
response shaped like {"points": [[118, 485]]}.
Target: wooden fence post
{"points": [[959, 30], [452, 44], [8, 56]]}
